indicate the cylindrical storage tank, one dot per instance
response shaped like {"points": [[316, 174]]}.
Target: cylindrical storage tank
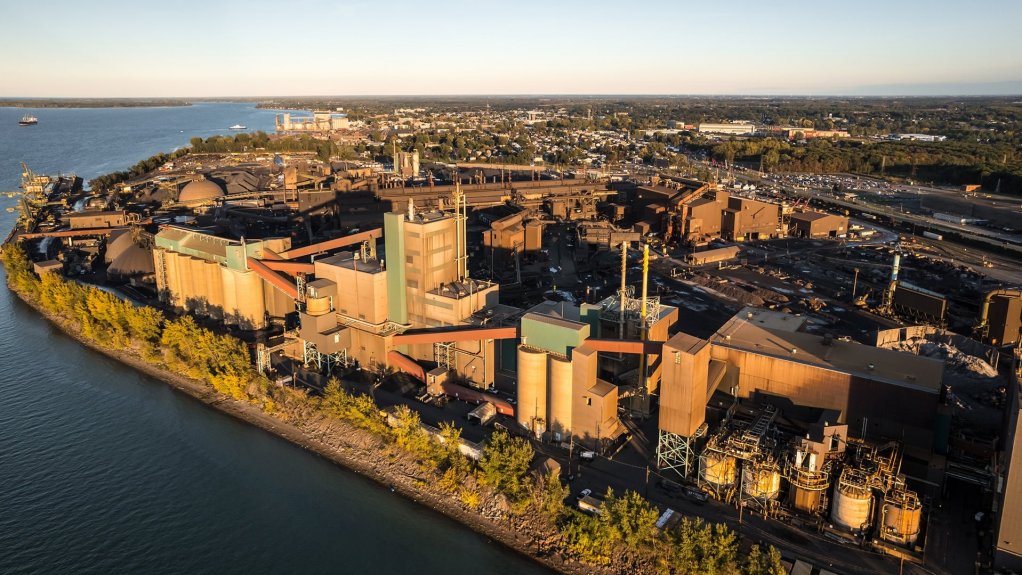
{"points": [[173, 289], [160, 263], [853, 503], [559, 381], [317, 305], [902, 515], [214, 289], [760, 481], [717, 468], [531, 410], [249, 291], [200, 297], [227, 276]]}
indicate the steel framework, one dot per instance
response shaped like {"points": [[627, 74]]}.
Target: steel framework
{"points": [[675, 452]]}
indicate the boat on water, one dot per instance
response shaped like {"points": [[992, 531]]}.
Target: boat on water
{"points": [[237, 127], [28, 120]]}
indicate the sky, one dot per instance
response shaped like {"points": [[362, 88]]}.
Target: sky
{"points": [[218, 48]]}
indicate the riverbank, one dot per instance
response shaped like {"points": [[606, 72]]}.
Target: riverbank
{"points": [[348, 446]]}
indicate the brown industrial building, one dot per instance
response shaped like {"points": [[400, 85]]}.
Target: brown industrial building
{"points": [[512, 235], [1008, 505], [749, 219], [766, 358], [817, 225], [91, 219]]}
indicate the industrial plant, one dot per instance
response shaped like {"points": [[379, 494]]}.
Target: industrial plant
{"points": [[783, 359]]}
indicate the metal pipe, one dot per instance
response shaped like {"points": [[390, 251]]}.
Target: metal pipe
{"points": [[624, 271]]}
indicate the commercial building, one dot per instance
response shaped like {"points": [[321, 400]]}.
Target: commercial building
{"points": [[736, 129]]}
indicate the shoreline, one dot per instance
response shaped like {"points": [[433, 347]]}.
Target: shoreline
{"points": [[342, 449]]}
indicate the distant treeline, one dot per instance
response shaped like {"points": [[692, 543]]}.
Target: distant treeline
{"points": [[260, 141], [107, 181], [91, 103]]}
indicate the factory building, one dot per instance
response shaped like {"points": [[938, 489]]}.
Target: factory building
{"points": [[1000, 318], [712, 256], [1008, 528], [210, 276], [767, 357], [91, 219], [816, 225], [763, 408], [406, 164], [736, 129], [749, 219], [510, 236], [319, 121], [559, 395]]}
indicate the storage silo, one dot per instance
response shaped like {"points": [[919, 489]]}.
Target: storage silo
{"points": [[717, 469], [853, 501], [214, 289], [559, 378], [902, 516], [532, 389], [249, 293], [227, 277], [760, 480], [173, 288]]}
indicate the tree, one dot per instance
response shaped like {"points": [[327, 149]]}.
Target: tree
{"points": [[505, 463], [759, 563], [550, 495], [630, 518]]}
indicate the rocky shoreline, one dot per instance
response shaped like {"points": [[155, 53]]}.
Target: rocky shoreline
{"points": [[354, 449]]}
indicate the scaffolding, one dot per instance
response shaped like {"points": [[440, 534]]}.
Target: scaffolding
{"points": [[443, 354], [323, 361], [676, 452]]}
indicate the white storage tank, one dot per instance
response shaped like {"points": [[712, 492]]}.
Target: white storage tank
{"points": [[853, 502]]}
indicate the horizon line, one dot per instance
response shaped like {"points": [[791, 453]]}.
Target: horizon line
{"points": [[531, 95]]}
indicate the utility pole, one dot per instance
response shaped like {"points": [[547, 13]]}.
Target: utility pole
{"points": [[855, 283]]}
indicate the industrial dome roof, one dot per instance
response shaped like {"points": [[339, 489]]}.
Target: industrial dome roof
{"points": [[116, 244], [135, 260], [200, 190]]}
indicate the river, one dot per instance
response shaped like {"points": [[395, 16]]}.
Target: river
{"points": [[103, 470]]}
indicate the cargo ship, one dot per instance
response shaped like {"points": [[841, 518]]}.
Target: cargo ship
{"points": [[237, 127], [28, 121]]}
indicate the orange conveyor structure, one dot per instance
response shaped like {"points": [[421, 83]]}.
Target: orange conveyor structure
{"points": [[626, 346], [332, 244], [435, 335], [275, 279]]}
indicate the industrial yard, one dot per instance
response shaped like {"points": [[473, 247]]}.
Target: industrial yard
{"points": [[834, 374]]}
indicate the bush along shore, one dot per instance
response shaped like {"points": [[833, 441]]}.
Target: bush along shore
{"points": [[497, 495]]}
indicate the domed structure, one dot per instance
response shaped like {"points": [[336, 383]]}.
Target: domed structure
{"points": [[116, 244], [200, 191], [133, 261]]}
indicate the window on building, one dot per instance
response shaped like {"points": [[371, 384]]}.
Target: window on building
{"points": [[589, 401]]}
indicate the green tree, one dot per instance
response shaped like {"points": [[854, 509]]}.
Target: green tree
{"points": [[505, 463], [630, 519]]}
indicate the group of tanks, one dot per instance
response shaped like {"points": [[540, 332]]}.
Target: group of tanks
{"points": [[855, 484]]}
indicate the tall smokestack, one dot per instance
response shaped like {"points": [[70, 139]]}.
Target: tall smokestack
{"points": [[411, 209]]}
